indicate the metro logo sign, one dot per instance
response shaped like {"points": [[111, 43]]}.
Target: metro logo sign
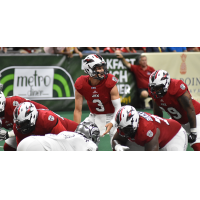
{"points": [[33, 82], [37, 82]]}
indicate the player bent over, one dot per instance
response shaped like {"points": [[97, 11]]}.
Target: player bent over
{"points": [[100, 90], [30, 121], [7, 106], [150, 131], [85, 138], [173, 96]]}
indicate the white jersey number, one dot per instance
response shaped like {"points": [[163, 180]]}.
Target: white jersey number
{"points": [[100, 104], [174, 112], [158, 119]]}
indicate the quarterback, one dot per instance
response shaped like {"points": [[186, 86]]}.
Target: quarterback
{"points": [[101, 93]]}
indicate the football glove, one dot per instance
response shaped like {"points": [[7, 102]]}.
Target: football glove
{"points": [[119, 147], [3, 135], [192, 137]]}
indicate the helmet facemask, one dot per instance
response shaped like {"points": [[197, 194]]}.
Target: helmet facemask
{"points": [[159, 82], [158, 91], [25, 126], [128, 131], [103, 74]]}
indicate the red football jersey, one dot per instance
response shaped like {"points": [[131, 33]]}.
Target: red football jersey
{"points": [[11, 103], [170, 104], [47, 122], [142, 76], [147, 129], [98, 97], [67, 123]]}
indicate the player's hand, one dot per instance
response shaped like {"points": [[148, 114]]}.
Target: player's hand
{"points": [[3, 135], [119, 147], [108, 126], [118, 54], [192, 137]]}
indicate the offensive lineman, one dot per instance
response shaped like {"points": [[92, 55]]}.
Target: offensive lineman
{"points": [[173, 96], [100, 90], [7, 106], [148, 130], [31, 121]]}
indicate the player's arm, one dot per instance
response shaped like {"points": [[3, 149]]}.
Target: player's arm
{"points": [[115, 99], [119, 142], [156, 110], [153, 145], [186, 102], [58, 127], [121, 57], [78, 107]]}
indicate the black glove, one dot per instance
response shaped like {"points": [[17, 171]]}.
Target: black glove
{"points": [[192, 137], [3, 135]]}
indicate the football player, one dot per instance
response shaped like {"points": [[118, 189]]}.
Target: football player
{"points": [[100, 90], [7, 106], [31, 121], [150, 131], [85, 138], [173, 96]]}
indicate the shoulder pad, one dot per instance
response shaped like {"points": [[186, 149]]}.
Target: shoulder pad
{"points": [[111, 81], [79, 82], [177, 86]]}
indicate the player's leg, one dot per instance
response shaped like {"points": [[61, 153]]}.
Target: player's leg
{"points": [[10, 144], [99, 120], [195, 145], [90, 118], [178, 143]]}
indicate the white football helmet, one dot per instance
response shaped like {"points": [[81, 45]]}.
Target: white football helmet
{"points": [[127, 120], [159, 83], [91, 62], [89, 130], [2, 101], [25, 116]]}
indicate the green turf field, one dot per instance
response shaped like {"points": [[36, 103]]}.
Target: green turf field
{"points": [[105, 141]]}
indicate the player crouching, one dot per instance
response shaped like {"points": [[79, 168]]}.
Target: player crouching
{"points": [[85, 138], [150, 131]]}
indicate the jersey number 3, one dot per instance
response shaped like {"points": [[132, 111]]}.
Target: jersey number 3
{"points": [[100, 104]]}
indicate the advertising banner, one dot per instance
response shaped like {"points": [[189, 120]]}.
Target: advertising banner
{"points": [[184, 66]]}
